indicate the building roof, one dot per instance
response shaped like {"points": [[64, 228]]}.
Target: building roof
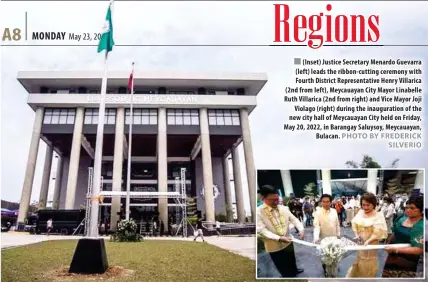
{"points": [[33, 80]]}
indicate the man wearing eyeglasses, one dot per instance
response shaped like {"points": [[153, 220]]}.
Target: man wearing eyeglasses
{"points": [[273, 222]]}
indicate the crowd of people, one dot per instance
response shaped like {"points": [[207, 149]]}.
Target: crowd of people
{"points": [[374, 220], [347, 207]]}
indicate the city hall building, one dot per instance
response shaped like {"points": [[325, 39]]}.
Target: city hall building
{"points": [[180, 120]]}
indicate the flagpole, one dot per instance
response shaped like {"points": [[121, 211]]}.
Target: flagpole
{"points": [[90, 256], [93, 227], [96, 188], [128, 177]]}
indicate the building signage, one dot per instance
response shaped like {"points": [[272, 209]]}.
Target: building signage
{"points": [[146, 99], [216, 192]]}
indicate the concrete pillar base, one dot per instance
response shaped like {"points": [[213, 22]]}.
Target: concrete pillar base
{"points": [[239, 196], [287, 183], [207, 166], [326, 181], [227, 190], [117, 167], [58, 180], [249, 161], [372, 181], [44, 189], [73, 171], [31, 167], [162, 167]]}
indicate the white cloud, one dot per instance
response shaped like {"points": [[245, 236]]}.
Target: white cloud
{"points": [[198, 23]]}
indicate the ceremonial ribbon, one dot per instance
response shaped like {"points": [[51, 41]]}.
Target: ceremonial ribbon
{"points": [[357, 247]]}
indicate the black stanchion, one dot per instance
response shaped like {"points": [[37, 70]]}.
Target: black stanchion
{"points": [[89, 257]]}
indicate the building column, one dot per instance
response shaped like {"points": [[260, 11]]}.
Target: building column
{"points": [[207, 166], [73, 171], [44, 189], [372, 180], [227, 191], [249, 161], [31, 167], [162, 166], [419, 181], [326, 181], [239, 196], [58, 183], [287, 183], [117, 167]]}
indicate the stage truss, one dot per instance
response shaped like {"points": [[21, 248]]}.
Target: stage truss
{"points": [[180, 199]]}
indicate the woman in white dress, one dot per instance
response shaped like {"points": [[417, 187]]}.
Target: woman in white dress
{"points": [[369, 227]]}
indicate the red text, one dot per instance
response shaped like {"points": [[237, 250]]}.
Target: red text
{"points": [[315, 30]]}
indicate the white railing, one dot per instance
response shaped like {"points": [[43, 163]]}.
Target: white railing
{"points": [[122, 194]]}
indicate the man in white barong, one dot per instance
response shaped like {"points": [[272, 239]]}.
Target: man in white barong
{"points": [[326, 222], [273, 222]]}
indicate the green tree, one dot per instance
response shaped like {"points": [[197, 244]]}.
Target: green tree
{"points": [[309, 189], [370, 162], [221, 217]]}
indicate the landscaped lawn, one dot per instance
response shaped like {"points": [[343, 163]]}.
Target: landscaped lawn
{"points": [[150, 261]]}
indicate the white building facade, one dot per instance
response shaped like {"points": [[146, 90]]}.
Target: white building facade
{"points": [[179, 120]]}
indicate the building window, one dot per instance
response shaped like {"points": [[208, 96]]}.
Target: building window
{"points": [[110, 116], [223, 117], [59, 116], [107, 170], [174, 188], [107, 187], [91, 116], [142, 116], [183, 117], [181, 92], [143, 91]]}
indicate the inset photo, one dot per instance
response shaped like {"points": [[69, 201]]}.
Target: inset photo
{"points": [[341, 223]]}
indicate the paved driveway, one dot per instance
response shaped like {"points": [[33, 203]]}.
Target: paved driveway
{"points": [[15, 239], [244, 246]]}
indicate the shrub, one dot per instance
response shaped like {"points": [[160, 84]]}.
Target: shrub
{"points": [[126, 232], [192, 220], [221, 217]]}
